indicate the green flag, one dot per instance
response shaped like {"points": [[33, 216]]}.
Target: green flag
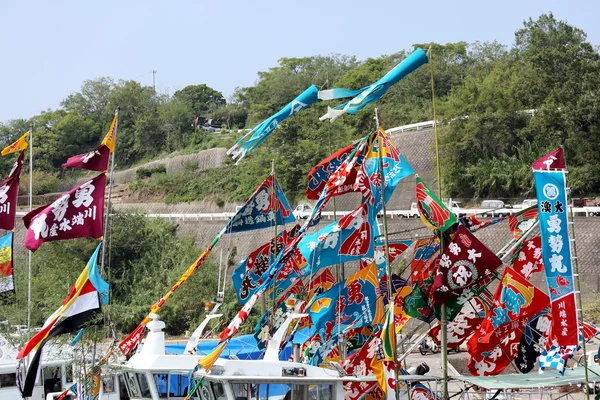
{"points": [[433, 212]]}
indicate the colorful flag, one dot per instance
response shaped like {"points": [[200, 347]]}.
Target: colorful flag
{"points": [[515, 298], [527, 258], [111, 136], [374, 91], [82, 305], [323, 282], [76, 214], [433, 213], [95, 160], [425, 253], [348, 239], [416, 303], [350, 303], [210, 360], [464, 263], [259, 133], [552, 161], [20, 145], [454, 306], [9, 190], [473, 224], [359, 364], [6, 265], [533, 342], [464, 325], [241, 316], [387, 334], [557, 357], [369, 177], [396, 248], [267, 206], [320, 173], [522, 221], [556, 252]]}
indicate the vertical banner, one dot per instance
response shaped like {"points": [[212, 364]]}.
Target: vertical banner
{"points": [[551, 192]]}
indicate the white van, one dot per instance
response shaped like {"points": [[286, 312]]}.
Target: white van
{"points": [[492, 204]]}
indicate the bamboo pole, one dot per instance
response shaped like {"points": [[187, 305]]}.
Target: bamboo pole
{"points": [[443, 309], [110, 185], [29, 253]]}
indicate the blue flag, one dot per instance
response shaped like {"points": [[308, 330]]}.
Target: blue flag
{"points": [[374, 91], [348, 239], [260, 132], [263, 209]]}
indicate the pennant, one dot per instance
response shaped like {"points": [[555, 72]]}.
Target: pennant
{"points": [[95, 160], [6, 265], [320, 173], [9, 190], [515, 298], [464, 263], [350, 303], [425, 253], [374, 91], [76, 214], [20, 145], [396, 248], [556, 252], [433, 213], [259, 133], [527, 258], [348, 239], [82, 305], [111, 136], [369, 177], [522, 221], [552, 161], [533, 341], [210, 360], [267, 206], [473, 224], [463, 325]]}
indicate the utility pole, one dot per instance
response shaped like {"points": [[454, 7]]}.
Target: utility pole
{"points": [[154, 80]]}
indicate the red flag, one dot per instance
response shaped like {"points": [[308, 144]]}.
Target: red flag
{"points": [[528, 257], [76, 214], [424, 255], [319, 175], [95, 160], [396, 249], [464, 324], [9, 189], [359, 364], [465, 262], [515, 298], [551, 161]]}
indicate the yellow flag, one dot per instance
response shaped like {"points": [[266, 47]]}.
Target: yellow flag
{"points": [[110, 138], [19, 145], [208, 361]]}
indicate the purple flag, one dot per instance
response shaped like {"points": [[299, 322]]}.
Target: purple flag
{"points": [[95, 160], [9, 189]]}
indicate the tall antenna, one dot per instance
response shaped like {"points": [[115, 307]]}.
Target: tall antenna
{"points": [[154, 80]]}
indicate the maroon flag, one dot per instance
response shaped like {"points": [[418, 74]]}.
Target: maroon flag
{"points": [[95, 160], [9, 189], [76, 214], [465, 262], [527, 258], [551, 161]]}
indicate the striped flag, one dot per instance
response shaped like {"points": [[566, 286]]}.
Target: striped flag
{"points": [[80, 307]]}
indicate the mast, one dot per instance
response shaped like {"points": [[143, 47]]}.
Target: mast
{"points": [[29, 253], [110, 185], [388, 267], [443, 310]]}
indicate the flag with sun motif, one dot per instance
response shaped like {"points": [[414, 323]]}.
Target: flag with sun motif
{"points": [[433, 213]]}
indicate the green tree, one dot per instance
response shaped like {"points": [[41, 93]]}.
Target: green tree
{"points": [[200, 98]]}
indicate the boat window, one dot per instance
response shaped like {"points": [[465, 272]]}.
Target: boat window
{"points": [[161, 385], [204, 391], [282, 391], [8, 380], [108, 384], [144, 386], [132, 385], [51, 379], [178, 385], [218, 390], [69, 373], [321, 392], [123, 394]]}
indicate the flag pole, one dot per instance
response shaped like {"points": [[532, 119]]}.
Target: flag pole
{"points": [[388, 267], [110, 185], [443, 309], [29, 254], [275, 247]]}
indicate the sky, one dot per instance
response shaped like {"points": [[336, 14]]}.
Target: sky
{"points": [[48, 48]]}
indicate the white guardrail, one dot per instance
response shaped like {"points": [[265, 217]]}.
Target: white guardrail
{"points": [[579, 211]]}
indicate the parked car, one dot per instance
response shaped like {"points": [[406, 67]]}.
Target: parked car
{"points": [[414, 211], [302, 211], [495, 208], [528, 203], [492, 204]]}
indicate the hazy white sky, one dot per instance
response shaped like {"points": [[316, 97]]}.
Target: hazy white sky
{"points": [[50, 47]]}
